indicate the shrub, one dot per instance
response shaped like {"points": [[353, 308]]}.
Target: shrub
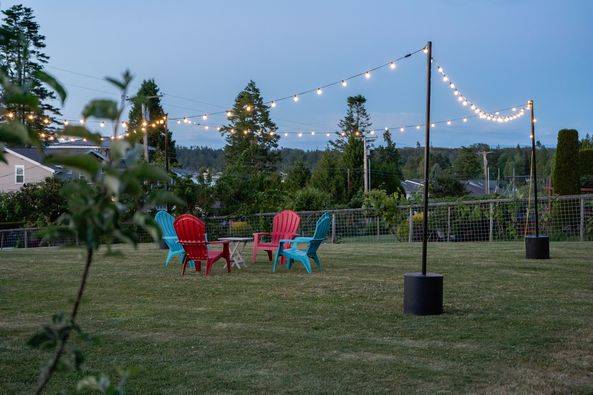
{"points": [[565, 176], [310, 199], [241, 228], [403, 230]]}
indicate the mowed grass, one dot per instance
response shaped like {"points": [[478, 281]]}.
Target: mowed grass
{"points": [[511, 325]]}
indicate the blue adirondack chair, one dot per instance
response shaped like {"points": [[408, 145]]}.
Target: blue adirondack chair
{"points": [[312, 243], [165, 221]]}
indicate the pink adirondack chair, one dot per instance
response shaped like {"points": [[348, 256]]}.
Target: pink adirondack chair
{"points": [[285, 226]]}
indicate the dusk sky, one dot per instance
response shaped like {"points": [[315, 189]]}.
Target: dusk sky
{"points": [[499, 53]]}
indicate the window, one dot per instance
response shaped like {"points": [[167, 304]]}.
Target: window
{"points": [[19, 174]]}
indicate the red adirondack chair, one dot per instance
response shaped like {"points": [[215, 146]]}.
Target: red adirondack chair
{"points": [[191, 232], [285, 226]]}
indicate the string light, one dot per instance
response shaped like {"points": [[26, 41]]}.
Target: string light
{"points": [[229, 114], [319, 91], [273, 104], [392, 65], [367, 75], [344, 83], [295, 98], [102, 124], [66, 122]]}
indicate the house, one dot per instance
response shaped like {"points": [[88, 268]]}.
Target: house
{"points": [[24, 166]]}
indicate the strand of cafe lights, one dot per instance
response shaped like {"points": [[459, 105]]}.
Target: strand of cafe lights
{"points": [[497, 116]]}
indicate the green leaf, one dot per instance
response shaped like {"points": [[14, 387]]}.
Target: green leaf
{"points": [[124, 83], [145, 171], [101, 108], [14, 133], [23, 99], [84, 163], [53, 83], [117, 149], [82, 132]]}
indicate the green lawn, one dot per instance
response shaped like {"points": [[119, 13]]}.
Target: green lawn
{"points": [[511, 325]]}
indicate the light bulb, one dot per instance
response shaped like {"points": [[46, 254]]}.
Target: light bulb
{"points": [[464, 103], [246, 131], [232, 131], [285, 134], [248, 108], [514, 109], [372, 132], [81, 121], [178, 122], [440, 69], [473, 107], [102, 124], [31, 116], [401, 130], [66, 123], [206, 127], [327, 135], [312, 133], [367, 75], [425, 50], [456, 92], [392, 65], [319, 91], [204, 117], [448, 122], [344, 83], [295, 98], [445, 78], [452, 85], [300, 134], [10, 115], [272, 133], [273, 104], [432, 125], [228, 114], [218, 128], [464, 119], [417, 127]]}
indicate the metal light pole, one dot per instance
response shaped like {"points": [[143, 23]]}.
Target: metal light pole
{"points": [[536, 246], [423, 292]]}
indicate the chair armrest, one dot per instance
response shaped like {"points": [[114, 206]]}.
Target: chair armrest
{"points": [[218, 242], [302, 240], [171, 238], [262, 234]]}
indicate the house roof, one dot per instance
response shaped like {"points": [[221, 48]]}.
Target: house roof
{"points": [[79, 144], [31, 155]]}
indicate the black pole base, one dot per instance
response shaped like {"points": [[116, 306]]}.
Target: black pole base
{"points": [[537, 247], [423, 294]]}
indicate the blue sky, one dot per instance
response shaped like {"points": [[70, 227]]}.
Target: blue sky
{"points": [[498, 52]]}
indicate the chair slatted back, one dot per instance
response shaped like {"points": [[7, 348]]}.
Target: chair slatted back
{"points": [[165, 222], [286, 224], [321, 231], [191, 231]]}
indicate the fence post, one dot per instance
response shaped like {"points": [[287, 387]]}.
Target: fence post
{"points": [[448, 223], [25, 238], [491, 228], [410, 226], [333, 228], [582, 222]]}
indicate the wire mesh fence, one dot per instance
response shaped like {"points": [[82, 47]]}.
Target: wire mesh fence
{"points": [[560, 217]]}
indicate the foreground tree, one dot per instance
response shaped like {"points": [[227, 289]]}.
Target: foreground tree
{"points": [[298, 176], [94, 216], [22, 61], [155, 126]]}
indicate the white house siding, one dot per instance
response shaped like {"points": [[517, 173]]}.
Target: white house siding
{"points": [[34, 172]]}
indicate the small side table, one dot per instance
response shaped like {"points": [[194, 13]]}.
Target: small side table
{"points": [[237, 246]]}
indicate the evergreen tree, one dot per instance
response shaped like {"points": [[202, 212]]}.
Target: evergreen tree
{"points": [[21, 57], [298, 176], [330, 176], [565, 178], [251, 137], [467, 165], [386, 172], [155, 125], [353, 127]]}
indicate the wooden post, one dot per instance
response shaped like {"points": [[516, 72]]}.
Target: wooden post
{"points": [[491, 227], [333, 228], [25, 238], [582, 221], [411, 226], [448, 223]]}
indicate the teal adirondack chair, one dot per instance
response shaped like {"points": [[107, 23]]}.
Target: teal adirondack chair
{"points": [[313, 243], [165, 221]]}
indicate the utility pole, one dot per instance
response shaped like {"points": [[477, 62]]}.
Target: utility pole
{"points": [[486, 172], [365, 174]]}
